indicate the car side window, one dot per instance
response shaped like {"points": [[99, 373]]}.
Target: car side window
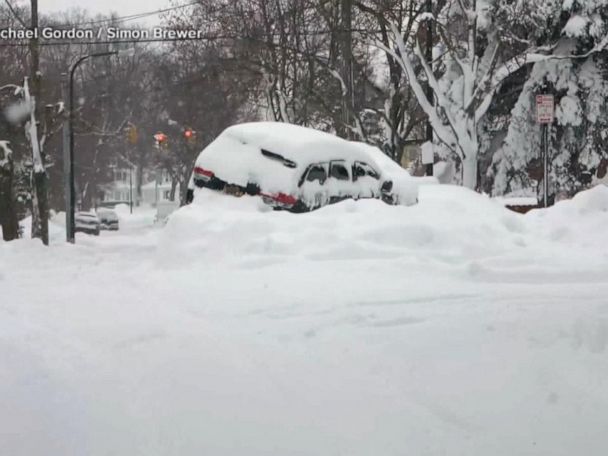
{"points": [[316, 173], [338, 171], [361, 169]]}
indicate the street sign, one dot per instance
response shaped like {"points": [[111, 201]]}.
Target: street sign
{"points": [[544, 109]]}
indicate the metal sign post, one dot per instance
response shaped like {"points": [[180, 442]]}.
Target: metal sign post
{"points": [[545, 107]]}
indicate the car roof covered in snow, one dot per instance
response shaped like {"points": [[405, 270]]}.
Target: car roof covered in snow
{"points": [[300, 144], [86, 214], [274, 154]]}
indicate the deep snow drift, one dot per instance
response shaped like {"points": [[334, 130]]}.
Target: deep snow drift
{"points": [[450, 327]]}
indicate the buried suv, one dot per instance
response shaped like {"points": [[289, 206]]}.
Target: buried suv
{"points": [[298, 169]]}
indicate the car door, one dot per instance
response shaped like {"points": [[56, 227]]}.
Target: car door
{"points": [[339, 182], [366, 180], [312, 186]]}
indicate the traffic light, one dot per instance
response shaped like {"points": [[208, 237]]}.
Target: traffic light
{"points": [[189, 134], [161, 140], [132, 135]]}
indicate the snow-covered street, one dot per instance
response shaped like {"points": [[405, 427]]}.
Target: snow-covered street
{"points": [[453, 327]]}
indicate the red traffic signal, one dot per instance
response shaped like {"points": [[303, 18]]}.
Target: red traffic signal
{"points": [[188, 134], [160, 137]]}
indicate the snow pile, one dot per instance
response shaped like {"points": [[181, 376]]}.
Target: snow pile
{"points": [[449, 327], [581, 220], [56, 226], [142, 216], [449, 222], [451, 227]]}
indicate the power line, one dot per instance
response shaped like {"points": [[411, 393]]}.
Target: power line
{"points": [[14, 13], [129, 17], [115, 20]]}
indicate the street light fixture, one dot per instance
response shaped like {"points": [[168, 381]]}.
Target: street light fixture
{"points": [[68, 143]]}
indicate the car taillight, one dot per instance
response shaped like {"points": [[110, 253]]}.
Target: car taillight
{"points": [[280, 199], [202, 172]]}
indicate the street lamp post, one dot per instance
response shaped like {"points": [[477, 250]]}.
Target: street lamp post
{"points": [[68, 143], [131, 190]]}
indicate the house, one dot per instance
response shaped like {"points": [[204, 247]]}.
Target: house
{"points": [[120, 190]]}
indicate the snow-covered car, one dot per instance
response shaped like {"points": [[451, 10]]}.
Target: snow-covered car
{"points": [[87, 222], [108, 219], [299, 169]]}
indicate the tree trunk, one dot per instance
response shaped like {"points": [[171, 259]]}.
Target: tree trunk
{"points": [[173, 189], [347, 66], [469, 172], [40, 213], [8, 213]]}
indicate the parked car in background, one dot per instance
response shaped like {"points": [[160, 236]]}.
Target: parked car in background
{"points": [[299, 169], [87, 222], [108, 219]]}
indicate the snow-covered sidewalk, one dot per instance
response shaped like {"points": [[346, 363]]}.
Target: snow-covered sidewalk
{"points": [[452, 327]]}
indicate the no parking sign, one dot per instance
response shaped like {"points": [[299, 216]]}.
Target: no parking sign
{"points": [[545, 107]]}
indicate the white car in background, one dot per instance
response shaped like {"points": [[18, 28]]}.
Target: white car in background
{"points": [[108, 219], [87, 222], [299, 169]]}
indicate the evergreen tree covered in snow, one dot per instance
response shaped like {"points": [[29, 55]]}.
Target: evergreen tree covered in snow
{"points": [[577, 140]]}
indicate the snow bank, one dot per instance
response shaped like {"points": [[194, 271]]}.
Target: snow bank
{"points": [[451, 227], [449, 220], [142, 216], [454, 327], [581, 220], [56, 226]]}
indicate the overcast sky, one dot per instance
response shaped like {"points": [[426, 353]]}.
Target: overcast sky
{"points": [[122, 8]]}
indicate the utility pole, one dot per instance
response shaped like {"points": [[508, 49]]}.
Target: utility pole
{"points": [[68, 143], [131, 189], [348, 96], [68, 163], [40, 213], [429, 90]]}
